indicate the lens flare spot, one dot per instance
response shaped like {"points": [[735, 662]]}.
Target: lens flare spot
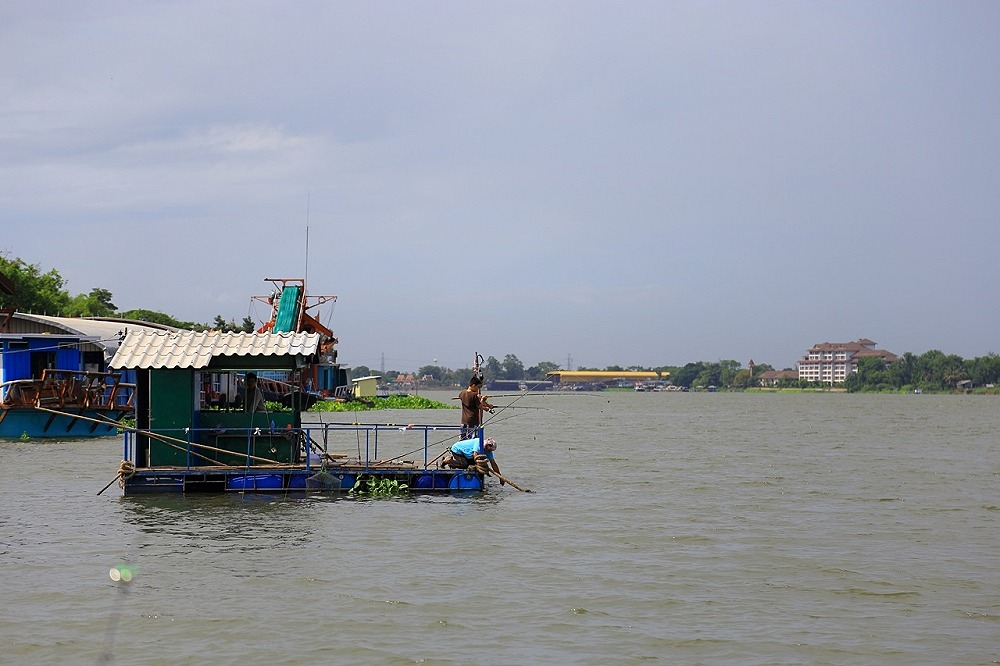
{"points": [[121, 573]]}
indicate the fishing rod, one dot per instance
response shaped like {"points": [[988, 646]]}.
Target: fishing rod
{"points": [[507, 406], [541, 409], [541, 394], [434, 444], [544, 409]]}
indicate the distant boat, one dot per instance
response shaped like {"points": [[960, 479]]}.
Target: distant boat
{"points": [[64, 403], [54, 380]]}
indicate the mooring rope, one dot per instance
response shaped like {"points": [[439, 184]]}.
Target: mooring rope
{"points": [[125, 472]]}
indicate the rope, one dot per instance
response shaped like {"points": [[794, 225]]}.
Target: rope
{"points": [[125, 472], [482, 464]]}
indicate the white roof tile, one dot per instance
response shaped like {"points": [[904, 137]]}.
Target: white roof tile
{"points": [[196, 349]]}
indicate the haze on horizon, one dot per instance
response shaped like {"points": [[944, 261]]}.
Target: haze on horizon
{"points": [[638, 183]]}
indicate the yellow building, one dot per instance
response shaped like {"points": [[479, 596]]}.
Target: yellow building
{"points": [[566, 377], [365, 387]]}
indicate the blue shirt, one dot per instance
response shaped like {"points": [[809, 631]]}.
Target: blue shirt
{"points": [[470, 447]]}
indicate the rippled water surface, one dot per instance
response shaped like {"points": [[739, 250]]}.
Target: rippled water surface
{"points": [[665, 528]]}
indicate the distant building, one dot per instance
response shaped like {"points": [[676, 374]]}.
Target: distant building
{"points": [[569, 378], [775, 377], [520, 385], [365, 387], [831, 362]]}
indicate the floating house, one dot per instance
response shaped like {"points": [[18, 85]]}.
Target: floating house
{"points": [[54, 376], [183, 442]]}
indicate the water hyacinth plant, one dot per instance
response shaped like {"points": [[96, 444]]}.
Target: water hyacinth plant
{"points": [[374, 404], [374, 487]]}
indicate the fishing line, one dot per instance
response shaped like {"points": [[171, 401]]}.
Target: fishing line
{"points": [[428, 446], [509, 416], [251, 432], [524, 393], [546, 394], [543, 409], [440, 442]]}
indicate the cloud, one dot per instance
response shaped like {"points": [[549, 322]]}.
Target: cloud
{"points": [[732, 179]]}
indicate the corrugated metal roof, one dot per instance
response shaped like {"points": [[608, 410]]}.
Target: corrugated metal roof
{"points": [[193, 349], [104, 333]]}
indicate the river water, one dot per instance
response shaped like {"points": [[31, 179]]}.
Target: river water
{"points": [[662, 528]]}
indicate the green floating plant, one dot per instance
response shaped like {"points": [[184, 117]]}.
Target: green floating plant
{"points": [[374, 487]]}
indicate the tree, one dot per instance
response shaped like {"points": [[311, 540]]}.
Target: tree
{"points": [[461, 377], [711, 375], [220, 324], [155, 317], [95, 304], [727, 372], [742, 380], [512, 367], [984, 370], [540, 372], [685, 376], [870, 375], [434, 371], [491, 368], [939, 370], [34, 291], [903, 371]]}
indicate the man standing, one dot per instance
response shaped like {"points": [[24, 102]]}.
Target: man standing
{"points": [[473, 406], [253, 401]]}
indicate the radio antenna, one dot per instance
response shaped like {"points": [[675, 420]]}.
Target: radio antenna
{"points": [[305, 277]]}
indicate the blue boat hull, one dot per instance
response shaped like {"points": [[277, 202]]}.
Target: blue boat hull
{"points": [[34, 424]]}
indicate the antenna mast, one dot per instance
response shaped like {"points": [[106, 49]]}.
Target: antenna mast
{"points": [[305, 277]]}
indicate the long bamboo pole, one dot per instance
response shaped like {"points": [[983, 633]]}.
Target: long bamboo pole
{"points": [[508, 481], [166, 439]]}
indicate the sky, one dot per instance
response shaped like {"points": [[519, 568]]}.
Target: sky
{"points": [[588, 183]]}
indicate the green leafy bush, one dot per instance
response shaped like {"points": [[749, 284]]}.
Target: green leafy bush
{"points": [[374, 404]]}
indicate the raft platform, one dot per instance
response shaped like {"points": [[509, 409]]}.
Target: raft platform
{"points": [[296, 461], [184, 441]]}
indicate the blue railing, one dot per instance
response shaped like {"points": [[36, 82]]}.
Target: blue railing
{"points": [[311, 443]]}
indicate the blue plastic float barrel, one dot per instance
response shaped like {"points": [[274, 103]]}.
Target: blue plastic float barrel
{"points": [[254, 482], [466, 481]]}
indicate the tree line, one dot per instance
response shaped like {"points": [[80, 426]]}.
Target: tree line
{"points": [[45, 292], [932, 371]]}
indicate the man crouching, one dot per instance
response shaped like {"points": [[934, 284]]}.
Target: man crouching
{"points": [[463, 454]]}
